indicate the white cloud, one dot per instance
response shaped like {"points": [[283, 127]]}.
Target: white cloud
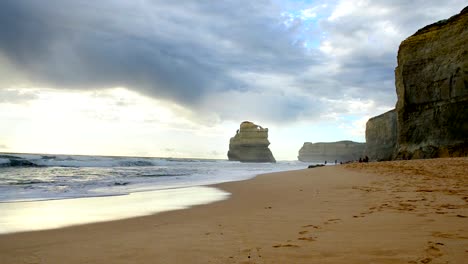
{"points": [[308, 13], [192, 74], [356, 128], [347, 8]]}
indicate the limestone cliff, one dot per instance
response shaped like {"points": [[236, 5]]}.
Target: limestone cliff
{"points": [[331, 151], [432, 88], [381, 132], [250, 144]]}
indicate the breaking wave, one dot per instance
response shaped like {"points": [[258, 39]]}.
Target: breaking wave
{"points": [[26, 177]]}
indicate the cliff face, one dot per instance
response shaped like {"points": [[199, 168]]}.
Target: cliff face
{"points": [[341, 151], [432, 88], [381, 134], [250, 144]]}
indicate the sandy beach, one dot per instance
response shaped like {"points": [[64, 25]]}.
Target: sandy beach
{"points": [[388, 212]]}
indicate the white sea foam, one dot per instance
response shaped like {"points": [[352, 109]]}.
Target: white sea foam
{"points": [[29, 177], [35, 190]]}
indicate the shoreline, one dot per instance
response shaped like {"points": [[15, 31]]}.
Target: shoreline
{"points": [[62, 213], [332, 214], [24, 209], [95, 177]]}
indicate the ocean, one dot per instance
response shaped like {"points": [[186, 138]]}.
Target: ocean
{"points": [[63, 190], [32, 177]]}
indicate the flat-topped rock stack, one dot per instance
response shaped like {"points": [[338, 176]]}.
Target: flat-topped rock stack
{"points": [[250, 144], [340, 151]]}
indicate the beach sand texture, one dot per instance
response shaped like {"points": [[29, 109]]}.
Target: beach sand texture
{"points": [[388, 212]]}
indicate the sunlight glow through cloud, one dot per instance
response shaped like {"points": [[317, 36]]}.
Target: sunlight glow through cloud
{"points": [[83, 122], [157, 78]]}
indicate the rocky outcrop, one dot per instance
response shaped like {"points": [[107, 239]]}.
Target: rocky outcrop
{"points": [[331, 151], [432, 89], [381, 135], [250, 144]]}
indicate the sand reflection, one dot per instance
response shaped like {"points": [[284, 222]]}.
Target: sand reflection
{"points": [[40, 215]]}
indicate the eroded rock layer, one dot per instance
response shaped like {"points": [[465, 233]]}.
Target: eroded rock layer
{"points": [[381, 134], [331, 151], [250, 144], [432, 89]]}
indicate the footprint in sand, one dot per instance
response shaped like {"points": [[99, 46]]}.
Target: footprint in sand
{"points": [[307, 238], [303, 232], [433, 251], [365, 213], [285, 245], [332, 221], [445, 235], [313, 226], [425, 260]]}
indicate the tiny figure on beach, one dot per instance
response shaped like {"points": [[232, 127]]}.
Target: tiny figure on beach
{"points": [[366, 159], [325, 162], [360, 160]]}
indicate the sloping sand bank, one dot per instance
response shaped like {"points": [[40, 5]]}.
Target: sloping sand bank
{"points": [[390, 212]]}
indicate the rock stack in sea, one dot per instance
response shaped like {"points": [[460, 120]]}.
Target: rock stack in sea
{"points": [[331, 151], [250, 144], [432, 88]]}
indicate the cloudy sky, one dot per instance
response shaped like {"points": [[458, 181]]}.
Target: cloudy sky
{"points": [[176, 78]]}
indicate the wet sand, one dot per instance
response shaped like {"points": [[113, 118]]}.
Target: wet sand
{"points": [[388, 212]]}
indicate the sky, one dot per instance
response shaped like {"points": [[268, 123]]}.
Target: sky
{"points": [[176, 78]]}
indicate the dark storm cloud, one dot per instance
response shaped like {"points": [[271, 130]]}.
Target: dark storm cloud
{"points": [[199, 53], [178, 51]]}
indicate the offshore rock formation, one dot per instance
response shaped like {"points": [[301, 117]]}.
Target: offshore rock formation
{"points": [[432, 88], [340, 151], [250, 144], [381, 134]]}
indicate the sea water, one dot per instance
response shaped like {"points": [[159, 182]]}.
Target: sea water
{"points": [[49, 191]]}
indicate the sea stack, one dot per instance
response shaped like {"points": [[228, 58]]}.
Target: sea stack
{"points": [[432, 88], [250, 144], [330, 151]]}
